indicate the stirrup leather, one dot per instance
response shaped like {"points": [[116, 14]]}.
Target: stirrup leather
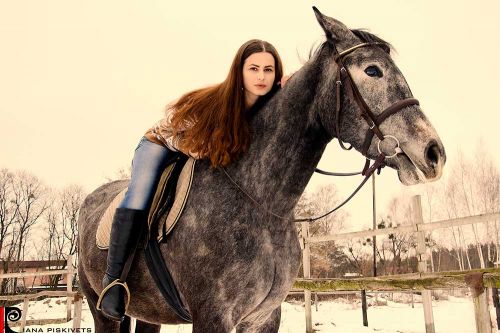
{"points": [[112, 284]]}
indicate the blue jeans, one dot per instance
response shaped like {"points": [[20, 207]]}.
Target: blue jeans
{"points": [[147, 166]]}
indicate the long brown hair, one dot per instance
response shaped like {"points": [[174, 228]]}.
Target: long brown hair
{"points": [[212, 122]]}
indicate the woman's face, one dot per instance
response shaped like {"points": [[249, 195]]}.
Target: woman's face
{"points": [[258, 75]]}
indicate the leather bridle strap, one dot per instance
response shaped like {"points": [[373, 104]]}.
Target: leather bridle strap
{"points": [[338, 106], [378, 162], [372, 120], [365, 110], [398, 106]]}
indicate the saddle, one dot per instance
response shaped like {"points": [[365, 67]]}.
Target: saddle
{"points": [[168, 203]]}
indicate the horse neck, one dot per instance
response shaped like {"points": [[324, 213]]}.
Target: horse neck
{"points": [[287, 144]]}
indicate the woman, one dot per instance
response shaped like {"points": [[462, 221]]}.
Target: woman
{"points": [[206, 123]]}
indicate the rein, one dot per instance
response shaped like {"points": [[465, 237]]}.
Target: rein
{"points": [[344, 77], [308, 219], [340, 174]]}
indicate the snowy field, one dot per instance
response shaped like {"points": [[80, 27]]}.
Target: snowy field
{"points": [[452, 315]]}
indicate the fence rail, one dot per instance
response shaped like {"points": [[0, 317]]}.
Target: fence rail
{"points": [[30, 274], [483, 218], [45, 293], [403, 282]]}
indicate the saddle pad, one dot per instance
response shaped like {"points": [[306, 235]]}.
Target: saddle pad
{"points": [[181, 196], [166, 224]]}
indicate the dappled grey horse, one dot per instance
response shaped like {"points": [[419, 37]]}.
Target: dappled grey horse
{"points": [[234, 261]]}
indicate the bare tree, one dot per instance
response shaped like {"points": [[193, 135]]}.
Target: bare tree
{"points": [[398, 244], [122, 173], [71, 199], [431, 193], [8, 211], [487, 192], [9, 236], [466, 184], [357, 254], [325, 256], [30, 203], [454, 209], [472, 187], [22, 204], [61, 226]]}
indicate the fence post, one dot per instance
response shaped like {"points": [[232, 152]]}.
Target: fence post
{"points": [[306, 267], [77, 312], [422, 262], [69, 285], [24, 315], [316, 300], [480, 300], [364, 308], [496, 300]]}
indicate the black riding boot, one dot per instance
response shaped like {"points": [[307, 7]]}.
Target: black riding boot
{"points": [[125, 234]]}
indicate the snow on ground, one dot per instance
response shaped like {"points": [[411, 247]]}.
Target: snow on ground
{"points": [[455, 315]]}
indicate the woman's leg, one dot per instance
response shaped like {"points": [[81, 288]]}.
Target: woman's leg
{"points": [[130, 217], [147, 167]]}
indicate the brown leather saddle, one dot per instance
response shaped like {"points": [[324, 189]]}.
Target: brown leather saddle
{"points": [[166, 207]]}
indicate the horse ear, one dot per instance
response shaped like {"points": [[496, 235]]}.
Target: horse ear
{"points": [[334, 30]]}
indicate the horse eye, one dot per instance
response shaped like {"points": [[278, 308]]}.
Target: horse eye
{"points": [[373, 71]]}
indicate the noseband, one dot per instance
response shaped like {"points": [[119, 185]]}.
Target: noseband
{"points": [[343, 77]]}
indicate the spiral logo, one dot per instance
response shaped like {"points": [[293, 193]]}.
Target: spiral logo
{"points": [[13, 314], [8, 314]]}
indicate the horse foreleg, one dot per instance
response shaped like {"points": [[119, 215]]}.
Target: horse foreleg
{"points": [[140, 326], [271, 325], [144, 327], [211, 323]]}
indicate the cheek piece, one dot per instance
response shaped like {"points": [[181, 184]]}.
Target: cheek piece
{"points": [[343, 77]]}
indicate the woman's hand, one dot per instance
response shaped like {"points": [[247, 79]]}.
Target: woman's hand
{"points": [[285, 78]]}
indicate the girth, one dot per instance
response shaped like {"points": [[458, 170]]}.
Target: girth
{"points": [[154, 258]]}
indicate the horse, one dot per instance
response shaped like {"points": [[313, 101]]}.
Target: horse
{"points": [[234, 253]]}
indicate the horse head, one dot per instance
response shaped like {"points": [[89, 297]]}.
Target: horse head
{"points": [[373, 108]]}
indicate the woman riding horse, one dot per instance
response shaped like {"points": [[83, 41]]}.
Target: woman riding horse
{"points": [[205, 123]]}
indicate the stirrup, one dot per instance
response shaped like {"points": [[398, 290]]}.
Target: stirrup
{"points": [[112, 284]]}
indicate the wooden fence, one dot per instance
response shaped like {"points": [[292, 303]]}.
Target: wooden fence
{"points": [[476, 280], [72, 297]]}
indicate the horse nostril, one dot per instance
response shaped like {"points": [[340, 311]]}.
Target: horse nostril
{"points": [[432, 154]]}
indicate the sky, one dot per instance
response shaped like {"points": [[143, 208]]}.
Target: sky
{"points": [[81, 81]]}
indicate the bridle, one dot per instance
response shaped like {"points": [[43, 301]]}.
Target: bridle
{"points": [[371, 119], [343, 77]]}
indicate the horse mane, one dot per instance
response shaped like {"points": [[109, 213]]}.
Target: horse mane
{"points": [[368, 37], [363, 35]]}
